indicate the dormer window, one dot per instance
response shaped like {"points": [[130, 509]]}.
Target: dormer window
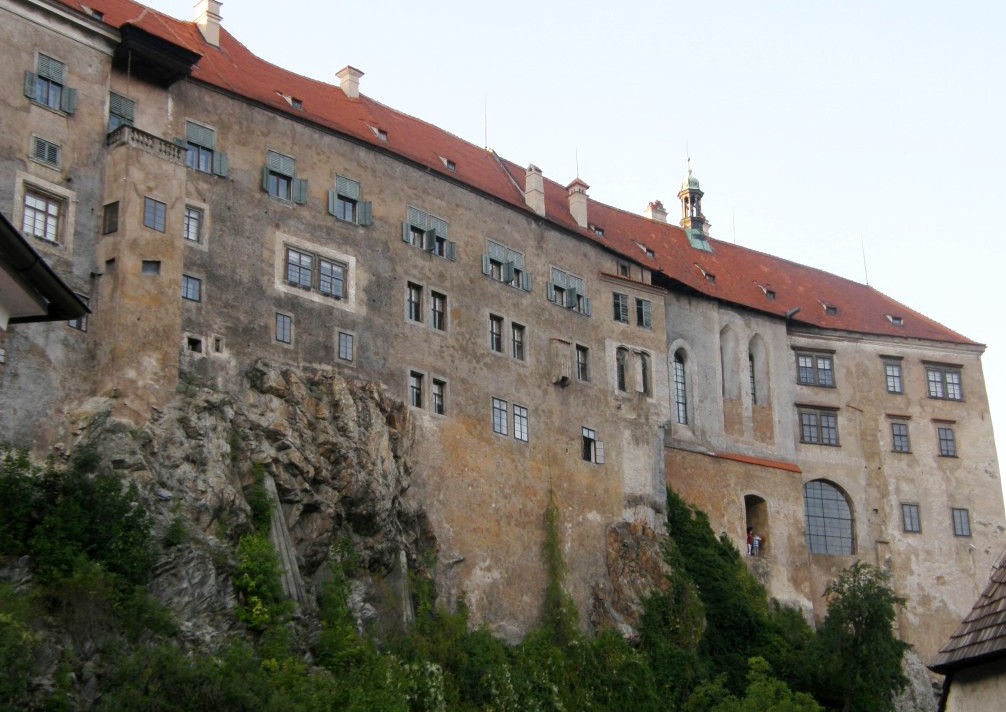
{"points": [[644, 248], [450, 165], [292, 101], [380, 133], [896, 320], [768, 292], [830, 309], [710, 277], [598, 230]]}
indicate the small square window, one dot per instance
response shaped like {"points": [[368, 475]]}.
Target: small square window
{"points": [[815, 369], [194, 344], [154, 212], [962, 522], [110, 218], [284, 328], [150, 267], [192, 288], [345, 346], [45, 152], [910, 518], [818, 427], [42, 215]]}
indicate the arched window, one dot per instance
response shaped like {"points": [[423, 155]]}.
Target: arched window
{"points": [[621, 357], [645, 381], [730, 363], [829, 519], [680, 389]]}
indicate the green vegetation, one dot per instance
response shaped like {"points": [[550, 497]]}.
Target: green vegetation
{"points": [[710, 643]]}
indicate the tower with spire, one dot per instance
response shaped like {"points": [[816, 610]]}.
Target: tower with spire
{"points": [[692, 220]]}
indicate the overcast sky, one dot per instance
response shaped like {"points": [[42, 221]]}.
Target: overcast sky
{"points": [[819, 130]]}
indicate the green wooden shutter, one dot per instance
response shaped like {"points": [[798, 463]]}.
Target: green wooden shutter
{"points": [[68, 100], [438, 226], [586, 306], [487, 267], [220, 165], [571, 295], [598, 452], [300, 190], [407, 232], [525, 281], [331, 202], [29, 85], [365, 213], [201, 135], [452, 251], [430, 240], [508, 272], [122, 107], [550, 291], [417, 217], [265, 178], [50, 68], [347, 188], [280, 163]]}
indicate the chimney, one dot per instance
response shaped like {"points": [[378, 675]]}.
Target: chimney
{"points": [[578, 201], [655, 211], [534, 190], [208, 19], [349, 81]]}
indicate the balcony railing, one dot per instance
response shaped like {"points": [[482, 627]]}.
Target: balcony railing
{"points": [[132, 136]]}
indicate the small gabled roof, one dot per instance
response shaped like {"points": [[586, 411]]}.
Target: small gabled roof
{"points": [[728, 272], [981, 636]]}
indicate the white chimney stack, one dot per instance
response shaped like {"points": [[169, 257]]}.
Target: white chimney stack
{"points": [[578, 201], [349, 81], [655, 211], [534, 190], [208, 20]]}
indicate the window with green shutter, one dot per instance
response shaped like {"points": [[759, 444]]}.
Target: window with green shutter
{"points": [[567, 290], [45, 152], [505, 265], [201, 152], [344, 202], [121, 111], [428, 232], [279, 179], [46, 86]]}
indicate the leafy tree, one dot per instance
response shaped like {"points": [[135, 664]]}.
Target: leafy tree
{"points": [[858, 657], [764, 693]]}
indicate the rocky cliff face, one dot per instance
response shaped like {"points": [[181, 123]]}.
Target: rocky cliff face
{"points": [[335, 455]]}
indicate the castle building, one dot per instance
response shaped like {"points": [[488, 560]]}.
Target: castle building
{"points": [[214, 209]]}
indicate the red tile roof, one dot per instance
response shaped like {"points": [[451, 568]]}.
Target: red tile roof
{"points": [[982, 634], [739, 271]]}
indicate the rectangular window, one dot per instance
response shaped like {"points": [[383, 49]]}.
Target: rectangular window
{"points": [[344, 202], [621, 368], [42, 215], [818, 427], [438, 311], [110, 218], [520, 422], [414, 302], [345, 346], [310, 272], [201, 152], [299, 268], [505, 265], [944, 382], [892, 376], [284, 328], [80, 323], [279, 179], [499, 416], [47, 85], [439, 397], [620, 304], [192, 227], [593, 449], [899, 437], [192, 288], [910, 518], [45, 152], [815, 369], [331, 278], [945, 435], [962, 522], [416, 389], [121, 111], [150, 267], [429, 233], [567, 290], [154, 212], [496, 333], [582, 363], [644, 310], [517, 340]]}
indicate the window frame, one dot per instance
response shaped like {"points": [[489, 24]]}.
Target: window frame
{"points": [[592, 449], [416, 389], [496, 333], [53, 224], [500, 416], [518, 341], [644, 313], [946, 440], [342, 339], [47, 87], [814, 374], [438, 310], [505, 265], [567, 290], [521, 423], [944, 382], [819, 521], [48, 153], [911, 521], [620, 307], [429, 233], [960, 519], [900, 441], [283, 328], [155, 214], [680, 378], [193, 215], [820, 429], [414, 302], [581, 354], [893, 377], [192, 288], [438, 396]]}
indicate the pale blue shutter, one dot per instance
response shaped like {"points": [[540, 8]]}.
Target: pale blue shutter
{"points": [[508, 272], [550, 291], [407, 232], [68, 100], [430, 240], [365, 213], [452, 251], [525, 281], [586, 306], [281, 164], [50, 68], [122, 107], [571, 295], [265, 178], [300, 191], [331, 202], [438, 226], [487, 267], [200, 135], [29, 85], [417, 217], [220, 164], [347, 188]]}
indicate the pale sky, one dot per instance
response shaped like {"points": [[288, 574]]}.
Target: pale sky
{"points": [[819, 130]]}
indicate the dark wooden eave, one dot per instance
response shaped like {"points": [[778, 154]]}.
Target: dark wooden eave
{"points": [[152, 58]]}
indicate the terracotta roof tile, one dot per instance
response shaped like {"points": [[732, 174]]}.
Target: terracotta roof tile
{"points": [[738, 270]]}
